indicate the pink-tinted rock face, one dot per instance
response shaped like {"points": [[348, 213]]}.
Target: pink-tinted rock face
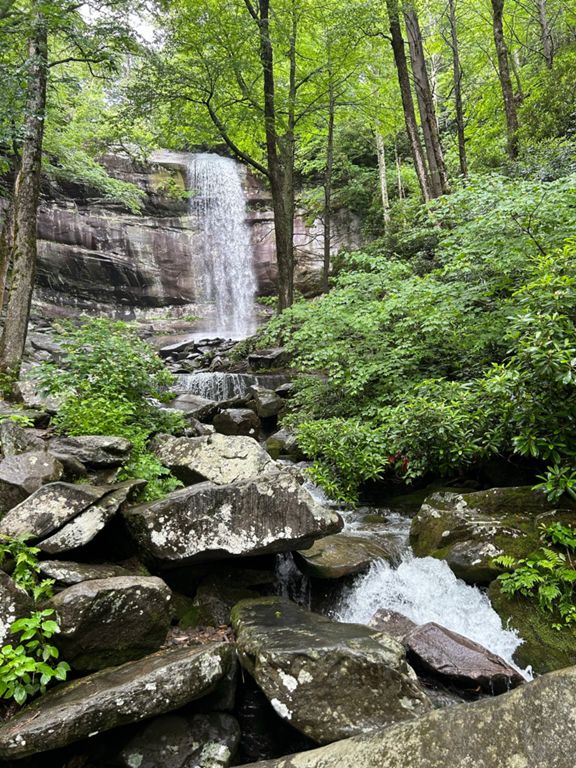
{"points": [[94, 254]]}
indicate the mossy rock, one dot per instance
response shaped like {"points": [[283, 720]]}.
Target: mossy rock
{"points": [[544, 648]]}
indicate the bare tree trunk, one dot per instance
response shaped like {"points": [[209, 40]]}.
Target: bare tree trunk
{"points": [[398, 173], [26, 197], [6, 239], [328, 178], [438, 174], [383, 179], [510, 111], [407, 101], [546, 33], [457, 74]]}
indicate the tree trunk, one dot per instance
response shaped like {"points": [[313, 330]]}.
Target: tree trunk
{"points": [[438, 175], [328, 171], [510, 112], [457, 74], [26, 196], [383, 179], [398, 173], [6, 239], [546, 33], [397, 42]]}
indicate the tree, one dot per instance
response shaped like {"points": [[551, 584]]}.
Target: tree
{"points": [[457, 77], [510, 111]]}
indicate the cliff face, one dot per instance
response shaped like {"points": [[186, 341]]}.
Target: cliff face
{"points": [[95, 255]]}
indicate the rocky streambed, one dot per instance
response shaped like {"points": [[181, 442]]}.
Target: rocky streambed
{"points": [[245, 617]]}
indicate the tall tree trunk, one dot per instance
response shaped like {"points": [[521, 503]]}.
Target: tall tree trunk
{"points": [[6, 240], [398, 173], [280, 162], [438, 174], [383, 178], [546, 33], [457, 75], [510, 111], [407, 102], [26, 197], [328, 171]]}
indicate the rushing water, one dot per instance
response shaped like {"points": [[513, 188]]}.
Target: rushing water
{"points": [[228, 277], [224, 386]]}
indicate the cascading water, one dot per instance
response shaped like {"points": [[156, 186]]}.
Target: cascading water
{"points": [[227, 268], [224, 386]]}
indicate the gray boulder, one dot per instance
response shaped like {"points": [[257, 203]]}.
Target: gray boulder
{"points": [[533, 726], [392, 623], [334, 557], [219, 458], [14, 604], [265, 359], [105, 622], [210, 522], [267, 402], [237, 421], [93, 450], [194, 406], [15, 439], [284, 443], [176, 741], [23, 474], [329, 680], [456, 659], [135, 691], [68, 573]]}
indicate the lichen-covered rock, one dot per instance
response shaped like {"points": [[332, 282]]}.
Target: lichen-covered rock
{"points": [[329, 680], [176, 741], [14, 604], [23, 474], [106, 622], [469, 530], [210, 522], [219, 458], [533, 726], [151, 686], [15, 439], [334, 557], [267, 402], [544, 648], [68, 573], [93, 450], [459, 660], [237, 421]]}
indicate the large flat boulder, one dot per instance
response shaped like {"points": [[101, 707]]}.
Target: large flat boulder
{"points": [[329, 680], [93, 450], [334, 557], [210, 522], [531, 727], [25, 473], [106, 622], [219, 458], [67, 573], [135, 691]]}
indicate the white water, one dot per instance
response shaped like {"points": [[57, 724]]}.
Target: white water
{"points": [[224, 386], [228, 277]]}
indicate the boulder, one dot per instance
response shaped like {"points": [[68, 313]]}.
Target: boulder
{"points": [[210, 522], [329, 680], [530, 727], [93, 450], [23, 474], [9, 411], [237, 421], [334, 557], [194, 406], [265, 359], [286, 390], [284, 443], [218, 594], [219, 458], [14, 604], [456, 659], [106, 622], [266, 402], [135, 691], [392, 623], [469, 530], [15, 439], [68, 573], [544, 647], [177, 741]]}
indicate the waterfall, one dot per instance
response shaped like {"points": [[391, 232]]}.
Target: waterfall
{"points": [[227, 270], [224, 386]]}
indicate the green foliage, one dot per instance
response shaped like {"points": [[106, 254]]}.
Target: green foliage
{"points": [[17, 418], [549, 575], [23, 560], [110, 382]]}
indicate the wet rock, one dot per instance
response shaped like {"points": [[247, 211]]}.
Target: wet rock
{"points": [[265, 359], [173, 741], [526, 728], [456, 659], [544, 647], [237, 421], [210, 522], [106, 622], [392, 623], [151, 686], [21, 475], [284, 443], [219, 458], [469, 530], [267, 402], [194, 406], [93, 450], [84, 527], [334, 557], [14, 604], [15, 439], [217, 595], [68, 573], [286, 390], [329, 680]]}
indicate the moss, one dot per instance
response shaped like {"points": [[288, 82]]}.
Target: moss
{"points": [[544, 647]]}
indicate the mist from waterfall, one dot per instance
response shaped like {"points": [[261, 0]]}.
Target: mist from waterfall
{"points": [[227, 268]]}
